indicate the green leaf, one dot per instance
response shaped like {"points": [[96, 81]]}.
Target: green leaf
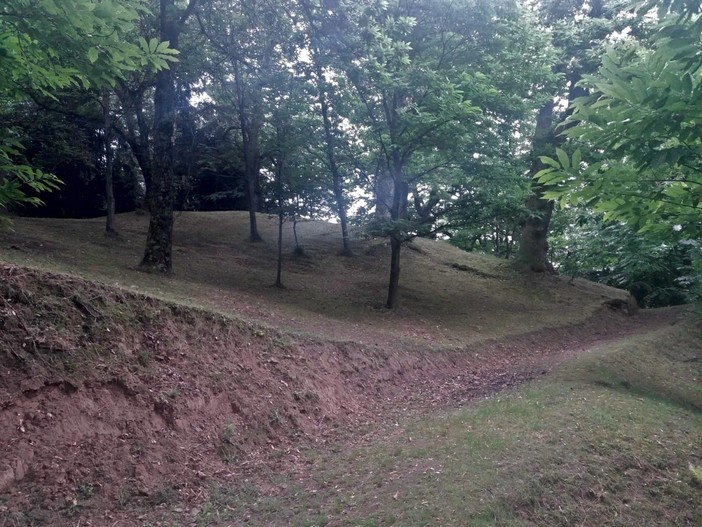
{"points": [[577, 158], [153, 45], [550, 162]]}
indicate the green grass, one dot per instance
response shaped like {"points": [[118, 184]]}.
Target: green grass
{"points": [[608, 440]]}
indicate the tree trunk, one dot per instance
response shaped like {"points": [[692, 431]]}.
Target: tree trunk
{"points": [[109, 165], [341, 210], [250, 121], [533, 245], [423, 210], [281, 218], [137, 136], [143, 152], [398, 212], [298, 249], [383, 194], [337, 181], [252, 201], [400, 192], [533, 248], [159, 241], [330, 139], [279, 273]]}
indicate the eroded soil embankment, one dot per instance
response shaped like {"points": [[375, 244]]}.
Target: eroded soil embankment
{"points": [[107, 397]]}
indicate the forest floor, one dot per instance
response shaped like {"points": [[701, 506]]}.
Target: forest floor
{"points": [[211, 398]]}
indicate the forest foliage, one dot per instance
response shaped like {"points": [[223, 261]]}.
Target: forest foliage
{"points": [[404, 118]]}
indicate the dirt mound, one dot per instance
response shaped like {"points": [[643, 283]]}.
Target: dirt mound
{"points": [[106, 395], [111, 401]]}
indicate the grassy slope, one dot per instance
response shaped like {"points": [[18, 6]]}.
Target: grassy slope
{"points": [[607, 441], [449, 298]]}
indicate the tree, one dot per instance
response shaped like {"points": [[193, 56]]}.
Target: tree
{"points": [[249, 41], [655, 270], [135, 123], [437, 85], [159, 240], [109, 164], [642, 116], [288, 147], [45, 48], [578, 28], [322, 31]]}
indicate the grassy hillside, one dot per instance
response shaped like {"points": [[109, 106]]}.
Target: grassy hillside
{"points": [[448, 297], [211, 398]]}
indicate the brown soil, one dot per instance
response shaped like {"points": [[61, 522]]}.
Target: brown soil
{"points": [[115, 407]]}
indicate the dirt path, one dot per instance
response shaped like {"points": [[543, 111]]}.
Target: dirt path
{"points": [[494, 368], [460, 378], [479, 371]]}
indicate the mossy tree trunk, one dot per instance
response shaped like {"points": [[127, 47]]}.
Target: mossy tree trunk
{"points": [[533, 245], [159, 240]]}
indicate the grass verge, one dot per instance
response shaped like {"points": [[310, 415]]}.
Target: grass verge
{"points": [[612, 439]]}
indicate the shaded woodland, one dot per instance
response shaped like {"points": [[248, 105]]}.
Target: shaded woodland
{"points": [[561, 135]]}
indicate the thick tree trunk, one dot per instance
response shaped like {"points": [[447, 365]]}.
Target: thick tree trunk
{"points": [[383, 194], [424, 211], [533, 245], [159, 241]]}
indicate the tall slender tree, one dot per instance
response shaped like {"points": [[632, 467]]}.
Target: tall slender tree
{"points": [[431, 94], [109, 164], [318, 23], [248, 41]]}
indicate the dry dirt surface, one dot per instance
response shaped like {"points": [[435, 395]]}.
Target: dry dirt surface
{"points": [[113, 403]]}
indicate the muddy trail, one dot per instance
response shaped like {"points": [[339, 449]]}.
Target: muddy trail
{"points": [[116, 409]]}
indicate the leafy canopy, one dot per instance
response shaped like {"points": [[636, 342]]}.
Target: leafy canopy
{"points": [[50, 45], [642, 126], [643, 122]]}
